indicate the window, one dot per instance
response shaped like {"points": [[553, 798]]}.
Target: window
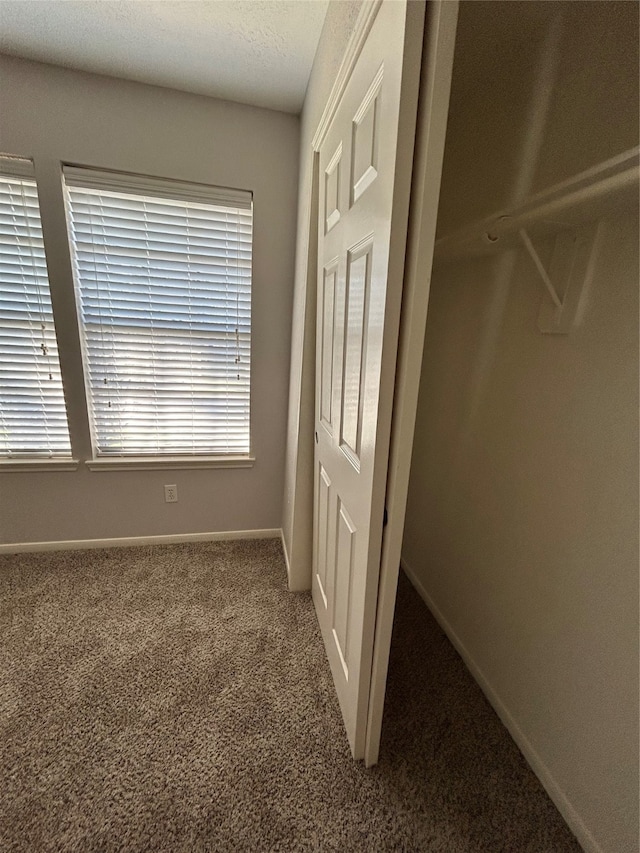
{"points": [[33, 418], [163, 275]]}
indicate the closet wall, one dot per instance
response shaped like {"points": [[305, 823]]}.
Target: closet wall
{"points": [[522, 522]]}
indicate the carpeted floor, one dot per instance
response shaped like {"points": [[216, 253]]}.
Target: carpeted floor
{"points": [[176, 698]]}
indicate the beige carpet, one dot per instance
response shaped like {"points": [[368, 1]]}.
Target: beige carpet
{"points": [[177, 698]]}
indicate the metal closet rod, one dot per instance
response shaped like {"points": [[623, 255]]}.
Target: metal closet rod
{"points": [[583, 191]]}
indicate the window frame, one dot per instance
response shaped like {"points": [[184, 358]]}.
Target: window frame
{"points": [[20, 166], [162, 188]]}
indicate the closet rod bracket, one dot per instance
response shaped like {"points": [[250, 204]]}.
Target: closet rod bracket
{"points": [[535, 257], [566, 281]]}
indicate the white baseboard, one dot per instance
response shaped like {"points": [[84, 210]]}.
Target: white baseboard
{"points": [[133, 541], [571, 816]]}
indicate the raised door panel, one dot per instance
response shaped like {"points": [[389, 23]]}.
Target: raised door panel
{"points": [[327, 344], [364, 139], [323, 531], [332, 194], [344, 559], [357, 290]]}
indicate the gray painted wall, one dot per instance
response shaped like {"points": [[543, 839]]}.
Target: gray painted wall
{"points": [[522, 521], [54, 115], [298, 483]]}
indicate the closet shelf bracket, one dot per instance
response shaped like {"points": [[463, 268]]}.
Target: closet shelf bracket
{"points": [[567, 279], [535, 257]]}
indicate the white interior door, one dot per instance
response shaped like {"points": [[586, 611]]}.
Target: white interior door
{"points": [[365, 162]]}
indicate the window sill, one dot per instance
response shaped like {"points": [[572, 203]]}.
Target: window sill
{"points": [[39, 465], [167, 463]]}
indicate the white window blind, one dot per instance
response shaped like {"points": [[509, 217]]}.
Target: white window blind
{"points": [[33, 418], [163, 273]]}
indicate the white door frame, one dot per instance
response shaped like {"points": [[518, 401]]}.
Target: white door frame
{"points": [[433, 109]]}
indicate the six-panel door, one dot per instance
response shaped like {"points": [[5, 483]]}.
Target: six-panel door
{"points": [[357, 169]]}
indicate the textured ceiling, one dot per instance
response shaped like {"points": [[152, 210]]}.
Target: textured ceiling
{"points": [[253, 51]]}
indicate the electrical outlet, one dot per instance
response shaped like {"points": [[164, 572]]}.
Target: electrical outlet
{"points": [[171, 494]]}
